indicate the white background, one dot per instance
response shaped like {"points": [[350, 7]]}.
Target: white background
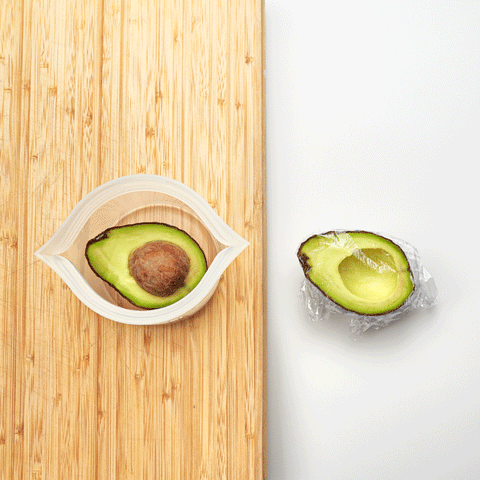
{"points": [[373, 122]]}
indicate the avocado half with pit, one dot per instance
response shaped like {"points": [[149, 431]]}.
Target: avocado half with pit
{"points": [[361, 271], [152, 265]]}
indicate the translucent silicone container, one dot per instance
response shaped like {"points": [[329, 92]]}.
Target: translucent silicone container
{"points": [[135, 199]]}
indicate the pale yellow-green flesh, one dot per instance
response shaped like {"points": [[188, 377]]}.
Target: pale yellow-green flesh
{"points": [[109, 258], [360, 271]]}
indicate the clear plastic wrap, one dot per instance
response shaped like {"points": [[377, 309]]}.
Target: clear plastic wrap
{"points": [[424, 295]]}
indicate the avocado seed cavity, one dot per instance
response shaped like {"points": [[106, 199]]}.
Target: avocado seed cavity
{"points": [[159, 267], [369, 273]]}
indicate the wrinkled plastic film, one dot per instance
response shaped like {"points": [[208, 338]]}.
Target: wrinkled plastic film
{"points": [[424, 296]]}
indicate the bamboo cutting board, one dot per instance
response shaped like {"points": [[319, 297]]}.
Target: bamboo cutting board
{"points": [[91, 90]]}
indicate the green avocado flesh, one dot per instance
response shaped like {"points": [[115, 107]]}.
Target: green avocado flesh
{"points": [[360, 271], [152, 265]]}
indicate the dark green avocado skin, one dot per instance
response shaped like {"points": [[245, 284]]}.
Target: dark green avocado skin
{"points": [[104, 243]]}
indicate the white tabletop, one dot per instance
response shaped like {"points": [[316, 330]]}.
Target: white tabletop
{"points": [[373, 122]]}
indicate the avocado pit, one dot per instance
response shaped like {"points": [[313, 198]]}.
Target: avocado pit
{"points": [[159, 267]]}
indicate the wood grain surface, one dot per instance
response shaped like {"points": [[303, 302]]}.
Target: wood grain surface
{"points": [[91, 90]]}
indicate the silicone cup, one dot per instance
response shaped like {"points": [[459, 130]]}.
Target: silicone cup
{"points": [[135, 199]]}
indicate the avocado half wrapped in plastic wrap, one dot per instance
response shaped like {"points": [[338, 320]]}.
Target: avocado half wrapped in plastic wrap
{"points": [[369, 278]]}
